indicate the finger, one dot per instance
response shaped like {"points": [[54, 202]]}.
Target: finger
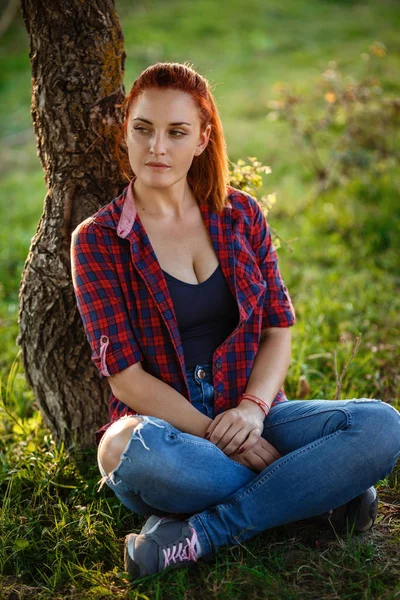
{"points": [[273, 452], [252, 439], [227, 418], [271, 448], [243, 439], [250, 466], [247, 442], [256, 462], [263, 453], [245, 459], [228, 438], [267, 456], [236, 441], [213, 424], [220, 428]]}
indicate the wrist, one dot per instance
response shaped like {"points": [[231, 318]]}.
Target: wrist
{"points": [[206, 424], [251, 407], [252, 399]]}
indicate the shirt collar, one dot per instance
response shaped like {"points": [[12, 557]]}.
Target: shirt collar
{"points": [[121, 212]]}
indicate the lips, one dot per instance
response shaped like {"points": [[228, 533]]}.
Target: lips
{"points": [[156, 164]]}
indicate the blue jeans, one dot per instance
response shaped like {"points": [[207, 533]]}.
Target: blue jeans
{"points": [[332, 450]]}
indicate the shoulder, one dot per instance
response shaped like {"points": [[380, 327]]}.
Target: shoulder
{"points": [[84, 227], [90, 238], [87, 234], [107, 215], [244, 205]]}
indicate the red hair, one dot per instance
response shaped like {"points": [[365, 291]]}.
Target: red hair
{"points": [[208, 175]]}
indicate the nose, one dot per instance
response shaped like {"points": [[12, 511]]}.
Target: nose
{"points": [[157, 144]]}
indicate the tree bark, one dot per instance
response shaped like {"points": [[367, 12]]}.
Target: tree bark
{"points": [[77, 56]]}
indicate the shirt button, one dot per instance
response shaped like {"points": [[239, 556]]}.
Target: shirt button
{"points": [[219, 394], [218, 365]]}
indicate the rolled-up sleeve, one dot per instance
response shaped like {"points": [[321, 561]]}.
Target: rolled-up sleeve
{"points": [[278, 310], [101, 303]]}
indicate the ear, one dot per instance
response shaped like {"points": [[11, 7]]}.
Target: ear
{"points": [[204, 138]]}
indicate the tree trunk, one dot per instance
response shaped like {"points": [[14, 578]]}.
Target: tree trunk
{"points": [[77, 56]]}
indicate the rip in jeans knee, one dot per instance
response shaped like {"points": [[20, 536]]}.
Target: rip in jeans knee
{"points": [[376, 400], [137, 430], [365, 400], [140, 426]]}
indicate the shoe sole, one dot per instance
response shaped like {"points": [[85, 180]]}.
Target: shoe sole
{"points": [[130, 566], [370, 513]]}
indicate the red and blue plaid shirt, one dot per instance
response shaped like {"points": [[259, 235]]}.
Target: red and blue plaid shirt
{"points": [[127, 311]]}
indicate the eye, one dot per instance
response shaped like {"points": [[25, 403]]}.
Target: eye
{"points": [[174, 131]]}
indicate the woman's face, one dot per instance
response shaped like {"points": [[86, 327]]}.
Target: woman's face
{"points": [[164, 126]]}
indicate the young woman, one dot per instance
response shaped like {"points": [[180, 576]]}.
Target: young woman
{"points": [[187, 315]]}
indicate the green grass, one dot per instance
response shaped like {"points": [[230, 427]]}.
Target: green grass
{"points": [[59, 537]]}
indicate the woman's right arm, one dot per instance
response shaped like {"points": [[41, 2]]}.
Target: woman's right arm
{"points": [[148, 395], [115, 349]]}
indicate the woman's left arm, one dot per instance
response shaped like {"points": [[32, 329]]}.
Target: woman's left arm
{"points": [[272, 360], [269, 369], [245, 422], [242, 426]]}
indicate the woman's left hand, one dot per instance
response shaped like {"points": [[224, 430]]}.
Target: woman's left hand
{"points": [[230, 429]]}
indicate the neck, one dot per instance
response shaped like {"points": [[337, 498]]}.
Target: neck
{"points": [[167, 202]]}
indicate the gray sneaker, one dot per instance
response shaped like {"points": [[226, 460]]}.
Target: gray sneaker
{"points": [[358, 514], [151, 521], [166, 543]]}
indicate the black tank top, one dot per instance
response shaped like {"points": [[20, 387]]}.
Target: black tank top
{"points": [[206, 313]]}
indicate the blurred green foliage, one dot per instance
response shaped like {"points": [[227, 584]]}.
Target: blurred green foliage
{"points": [[346, 129]]}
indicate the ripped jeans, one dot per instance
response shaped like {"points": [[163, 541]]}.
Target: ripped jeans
{"points": [[332, 450]]}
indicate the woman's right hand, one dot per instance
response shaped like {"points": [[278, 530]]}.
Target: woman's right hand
{"points": [[260, 456]]}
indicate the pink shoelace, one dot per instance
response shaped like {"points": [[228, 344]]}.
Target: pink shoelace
{"points": [[181, 552]]}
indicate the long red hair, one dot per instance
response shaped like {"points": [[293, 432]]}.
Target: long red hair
{"points": [[208, 175]]}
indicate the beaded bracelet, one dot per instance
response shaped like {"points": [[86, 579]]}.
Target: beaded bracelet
{"points": [[263, 405]]}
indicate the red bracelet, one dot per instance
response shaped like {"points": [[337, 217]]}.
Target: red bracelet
{"points": [[263, 405]]}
